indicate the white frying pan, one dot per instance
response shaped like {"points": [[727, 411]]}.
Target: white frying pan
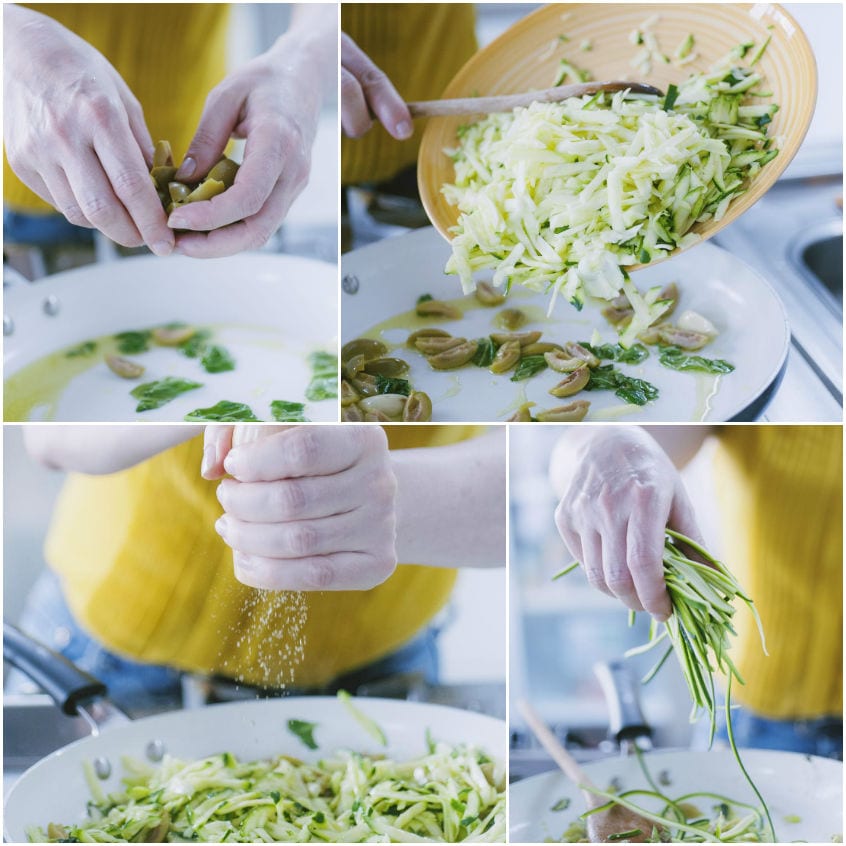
{"points": [[269, 310], [794, 786], [804, 793], [54, 789]]}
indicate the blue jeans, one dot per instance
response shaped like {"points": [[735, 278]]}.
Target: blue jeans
{"points": [[134, 686], [822, 736], [43, 229]]}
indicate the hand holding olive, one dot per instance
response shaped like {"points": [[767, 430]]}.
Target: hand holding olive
{"points": [[75, 134]]}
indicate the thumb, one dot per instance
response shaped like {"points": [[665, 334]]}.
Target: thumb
{"points": [[220, 117]]}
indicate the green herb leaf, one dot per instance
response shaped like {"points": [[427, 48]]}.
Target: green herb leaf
{"points": [[223, 412], [304, 730], [197, 344], [390, 385], [629, 389], [324, 382], [288, 412], [424, 298], [485, 352], [323, 363], [156, 394], [529, 366], [321, 388], [217, 360], [133, 342], [561, 805], [84, 349], [634, 354], [676, 359]]}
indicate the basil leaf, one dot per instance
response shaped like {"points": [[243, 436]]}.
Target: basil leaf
{"points": [[288, 412], [485, 352], [223, 412], [324, 381], [628, 388], [197, 344], [217, 360], [156, 394], [674, 358], [528, 366], [322, 387], [133, 342], [323, 363], [424, 298], [634, 354], [304, 730], [84, 349], [390, 385], [561, 805]]}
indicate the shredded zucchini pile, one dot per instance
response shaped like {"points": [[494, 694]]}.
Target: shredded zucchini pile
{"points": [[560, 197], [451, 794]]}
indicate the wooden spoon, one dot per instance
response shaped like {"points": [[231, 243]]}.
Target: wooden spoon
{"points": [[602, 825], [507, 102]]}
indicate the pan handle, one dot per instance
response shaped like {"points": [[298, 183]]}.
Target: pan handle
{"points": [[65, 683], [626, 720]]}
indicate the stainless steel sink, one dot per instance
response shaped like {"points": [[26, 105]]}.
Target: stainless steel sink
{"points": [[818, 254], [794, 237]]}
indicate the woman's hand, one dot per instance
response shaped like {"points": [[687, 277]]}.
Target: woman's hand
{"points": [[366, 91], [274, 103], [307, 508], [620, 492], [75, 134]]}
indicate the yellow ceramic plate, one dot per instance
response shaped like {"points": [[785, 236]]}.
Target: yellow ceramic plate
{"points": [[526, 56]]}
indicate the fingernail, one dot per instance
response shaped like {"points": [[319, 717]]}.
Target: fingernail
{"points": [[219, 493], [186, 169], [231, 462], [209, 456], [162, 248], [404, 129], [220, 526], [177, 222]]}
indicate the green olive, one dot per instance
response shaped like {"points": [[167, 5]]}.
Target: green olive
{"points": [[572, 383], [455, 357], [426, 332], [178, 191], [418, 408], [205, 191], [511, 319], [162, 154], [392, 367], [572, 413], [506, 357], [432, 346], [224, 171], [367, 347]]}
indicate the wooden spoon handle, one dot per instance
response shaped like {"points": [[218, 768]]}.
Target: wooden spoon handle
{"points": [[550, 742], [507, 102]]}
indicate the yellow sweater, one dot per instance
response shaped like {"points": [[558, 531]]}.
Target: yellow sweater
{"points": [[145, 573], [781, 496], [170, 56], [420, 46]]}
